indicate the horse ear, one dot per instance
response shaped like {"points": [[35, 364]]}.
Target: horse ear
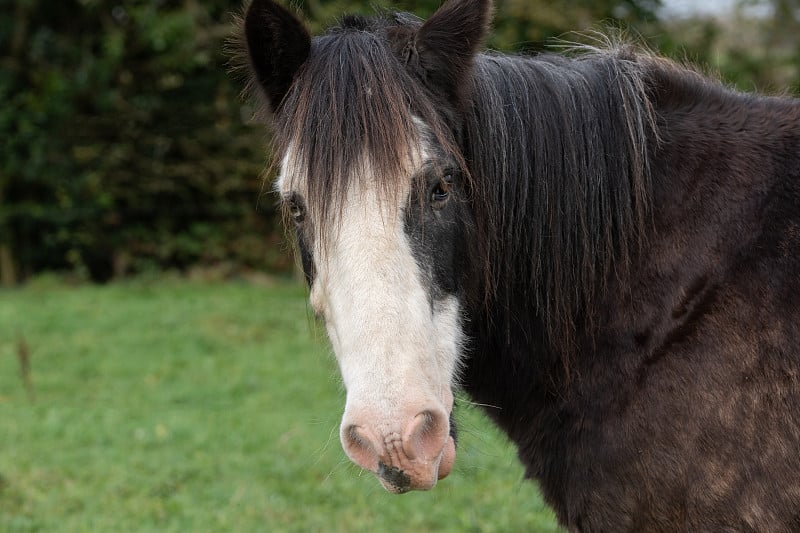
{"points": [[447, 42], [277, 45]]}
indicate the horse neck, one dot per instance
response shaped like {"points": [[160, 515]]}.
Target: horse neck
{"points": [[714, 158]]}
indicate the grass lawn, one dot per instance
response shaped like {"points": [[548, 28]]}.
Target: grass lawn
{"points": [[178, 406]]}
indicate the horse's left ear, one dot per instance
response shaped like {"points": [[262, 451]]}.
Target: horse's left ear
{"points": [[446, 44], [278, 44]]}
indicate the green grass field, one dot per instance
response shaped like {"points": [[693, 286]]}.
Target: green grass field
{"points": [[178, 406]]}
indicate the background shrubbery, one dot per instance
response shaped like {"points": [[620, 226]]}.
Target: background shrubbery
{"points": [[125, 148]]}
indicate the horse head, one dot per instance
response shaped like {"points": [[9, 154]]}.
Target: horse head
{"points": [[366, 124]]}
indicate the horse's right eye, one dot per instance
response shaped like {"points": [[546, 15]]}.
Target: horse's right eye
{"points": [[441, 192]]}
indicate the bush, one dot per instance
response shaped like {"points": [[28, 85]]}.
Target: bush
{"points": [[126, 144]]}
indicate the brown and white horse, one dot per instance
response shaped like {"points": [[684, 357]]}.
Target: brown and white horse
{"points": [[604, 247]]}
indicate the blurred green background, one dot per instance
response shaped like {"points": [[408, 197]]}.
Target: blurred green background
{"points": [[170, 405], [158, 367]]}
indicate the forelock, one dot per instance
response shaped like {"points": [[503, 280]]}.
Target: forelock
{"points": [[353, 114]]}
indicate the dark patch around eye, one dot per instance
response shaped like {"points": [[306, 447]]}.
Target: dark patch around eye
{"points": [[436, 228], [306, 259], [295, 207]]}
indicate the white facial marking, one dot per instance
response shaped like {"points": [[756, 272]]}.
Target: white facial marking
{"points": [[397, 344], [390, 341]]}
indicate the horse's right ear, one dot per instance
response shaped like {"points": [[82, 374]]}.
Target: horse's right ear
{"points": [[447, 42], [277, 45]]}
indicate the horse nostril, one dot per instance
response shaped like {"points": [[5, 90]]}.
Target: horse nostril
{"points": [[359, 447], [425, 436]]}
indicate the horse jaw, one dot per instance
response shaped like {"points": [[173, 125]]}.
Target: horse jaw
{"points": [[397, 346]]}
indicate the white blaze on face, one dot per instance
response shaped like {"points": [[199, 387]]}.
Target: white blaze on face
{"points": [[397, 347]]}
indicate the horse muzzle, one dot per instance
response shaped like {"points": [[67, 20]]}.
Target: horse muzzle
{"points": [[405, 453]]}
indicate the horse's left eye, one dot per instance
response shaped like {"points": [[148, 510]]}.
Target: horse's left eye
{"points": [[297, 213], [296, 209], [441, 192]]}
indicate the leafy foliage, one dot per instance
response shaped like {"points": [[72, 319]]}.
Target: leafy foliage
{"points": [[126, 146]]}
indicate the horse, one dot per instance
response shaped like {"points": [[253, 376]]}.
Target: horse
{"points": [[600, 246]]}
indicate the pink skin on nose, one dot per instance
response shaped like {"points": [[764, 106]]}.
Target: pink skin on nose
{"points": [[412, 458]]}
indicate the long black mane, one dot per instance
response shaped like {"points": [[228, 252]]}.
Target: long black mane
{"points": [[559, 151]]}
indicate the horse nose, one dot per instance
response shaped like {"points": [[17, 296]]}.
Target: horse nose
{"points": [[411, 454]]}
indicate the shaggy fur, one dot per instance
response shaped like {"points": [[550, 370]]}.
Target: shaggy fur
{"points": [[631, 268]]}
